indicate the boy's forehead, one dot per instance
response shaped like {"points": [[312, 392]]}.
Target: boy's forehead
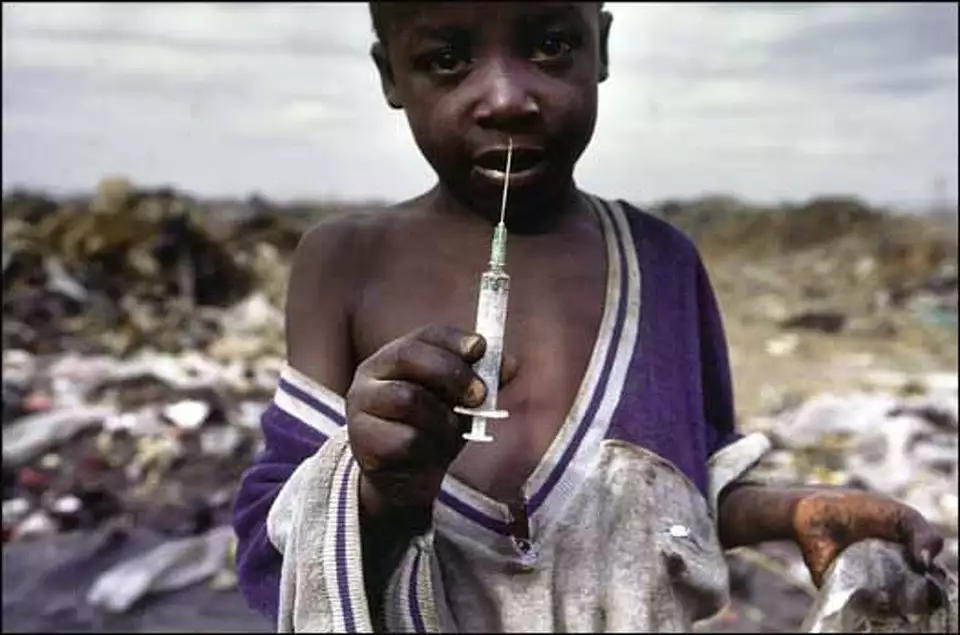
{"points": [[423, 15]]}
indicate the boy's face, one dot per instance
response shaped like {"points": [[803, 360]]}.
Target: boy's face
{"points": [[470, 75]]}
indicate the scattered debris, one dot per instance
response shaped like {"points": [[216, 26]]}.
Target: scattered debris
{"points": [[14, 510], [905, 447], [221, 441], [36, 525], [824, 321], [143, 335], [174, 565], [35, 434], [188, 414], [870, 588], [783, 345]]}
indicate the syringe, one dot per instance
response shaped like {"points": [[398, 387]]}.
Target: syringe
{"points": [[491, 321]]}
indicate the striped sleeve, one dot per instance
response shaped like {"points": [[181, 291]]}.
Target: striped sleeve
{"points": [[300, 418], [731, 455]]}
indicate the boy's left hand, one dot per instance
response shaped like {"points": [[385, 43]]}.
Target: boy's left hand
{"points": [[827, 522]]}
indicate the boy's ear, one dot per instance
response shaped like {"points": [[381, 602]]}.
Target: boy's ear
{"points": [[380, 57], [606, 19]]}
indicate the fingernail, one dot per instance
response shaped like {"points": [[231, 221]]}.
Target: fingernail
{"points": [[470, 344], [475, 392], [925, 558]]}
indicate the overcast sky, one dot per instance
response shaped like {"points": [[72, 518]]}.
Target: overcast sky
{"points": [[766, 101]]}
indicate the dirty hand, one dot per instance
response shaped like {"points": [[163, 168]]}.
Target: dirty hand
{"points": [[827, 522], [400, 420]]}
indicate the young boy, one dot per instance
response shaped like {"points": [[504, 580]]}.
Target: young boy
{"points": [[608, 496]]}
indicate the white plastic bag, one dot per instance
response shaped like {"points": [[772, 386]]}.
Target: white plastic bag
{"points": [[870, 588]]}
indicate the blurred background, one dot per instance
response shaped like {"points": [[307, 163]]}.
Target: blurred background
{"points": [[160, 162]]}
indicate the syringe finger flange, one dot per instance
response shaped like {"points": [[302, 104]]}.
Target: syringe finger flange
{"points": [[478, 437], [486, 414], [478, 431]]}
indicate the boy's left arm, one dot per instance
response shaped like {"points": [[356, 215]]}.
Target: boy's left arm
{"points": [[822, 521]]}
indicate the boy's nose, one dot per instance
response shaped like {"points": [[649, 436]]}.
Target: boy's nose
{"points": [[505, 98]]}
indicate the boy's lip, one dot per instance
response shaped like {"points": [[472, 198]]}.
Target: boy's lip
{"points": [[517, 179], [527, 163]]}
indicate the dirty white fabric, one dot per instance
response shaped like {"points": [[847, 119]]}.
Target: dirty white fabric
{"points": [[635, 549]]}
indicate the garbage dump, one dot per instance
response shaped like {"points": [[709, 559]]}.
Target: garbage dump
{"points": [[870, 588], [143, 335], [905, 447]]}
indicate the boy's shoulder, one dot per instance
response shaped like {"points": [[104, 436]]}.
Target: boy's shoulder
{"points": [[348, 223], [334, 258], [650, 231], [345, 235]]}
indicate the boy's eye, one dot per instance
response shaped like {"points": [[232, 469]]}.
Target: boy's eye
{"points": [[552, 47], [446, 62]]}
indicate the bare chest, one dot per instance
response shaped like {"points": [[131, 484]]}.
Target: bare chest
{"points": [[552, 323]]}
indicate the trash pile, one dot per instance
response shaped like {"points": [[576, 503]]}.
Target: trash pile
{"points": [[129, 269], [898, 437], [157, 440], [833, 264], [143, 335], [142, 338], [902, 443]]}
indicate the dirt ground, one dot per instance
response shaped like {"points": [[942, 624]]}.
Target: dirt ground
{"points": [[817, 361]]}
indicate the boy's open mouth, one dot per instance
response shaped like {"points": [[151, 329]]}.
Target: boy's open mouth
{"points": [[493, 162]]}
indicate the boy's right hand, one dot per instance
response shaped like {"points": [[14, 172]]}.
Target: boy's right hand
{"points": [[400, 420]]}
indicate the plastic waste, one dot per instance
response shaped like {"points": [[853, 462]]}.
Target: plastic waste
{"points": [[222, 441], [188, 414], [870, 588], [14, 510], [783, 345], [35, 525], [60, 281], [171, 566], [253, 315], [144, 422], [34, 434], [250, 413], [903, 447], [13, 402], [19, 367]]}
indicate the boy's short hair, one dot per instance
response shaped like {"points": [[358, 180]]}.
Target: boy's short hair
{"points": [[383, 13], [376, 18]]}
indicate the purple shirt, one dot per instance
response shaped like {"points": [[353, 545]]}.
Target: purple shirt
{"points": [[676, 401]]}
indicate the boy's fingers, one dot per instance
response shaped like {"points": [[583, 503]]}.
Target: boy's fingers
{"points": [[407, 403], [385, 444], [509, 366], [385, 447], [819, 554], [468, 345], [439, 370], [925, 543], [392, 481], [433, 430]]}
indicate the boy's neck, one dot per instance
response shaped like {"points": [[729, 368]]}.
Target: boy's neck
{"points": [[540, 216]]}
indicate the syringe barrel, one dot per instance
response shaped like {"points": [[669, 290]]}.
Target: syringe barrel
{"points": [[491, 322]]}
